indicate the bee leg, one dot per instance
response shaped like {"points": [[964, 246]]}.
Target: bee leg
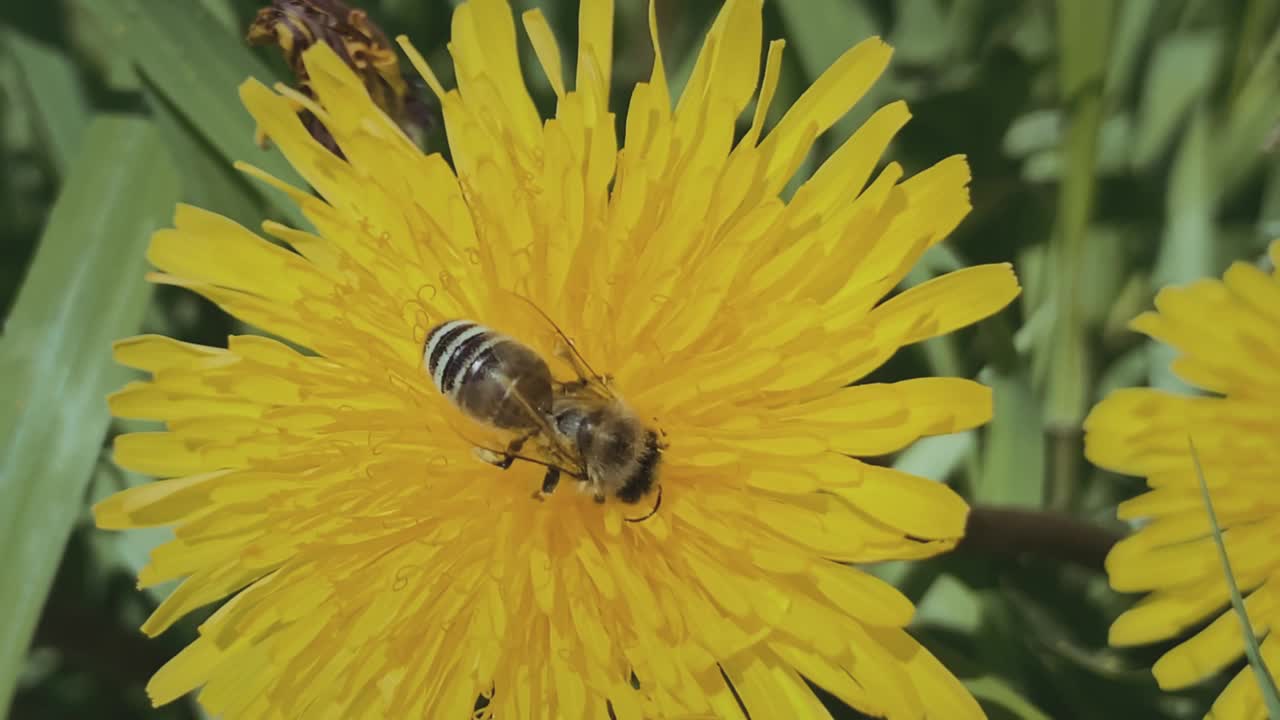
{"points": [[573, 387], [513, 448], [549, 483], [578, 385], [492, 457]]}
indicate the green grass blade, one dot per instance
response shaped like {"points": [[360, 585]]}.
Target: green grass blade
{"points": [[1013, 468], [207, 181], [84, 289], [197, 65], [1266, 682], [52, 90]]}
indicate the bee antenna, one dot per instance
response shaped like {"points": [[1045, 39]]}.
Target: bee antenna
{"points": [[656, 504]]}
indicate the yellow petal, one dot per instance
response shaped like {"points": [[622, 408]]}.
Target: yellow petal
{"points": [[1242, 697], [1215, 647], [484, 52], [826, 101], [948, 302], [827, 675], [545, 47], [157, 352], [186, 671], [197, 591], [918, 507], [595, 47], [1166, 613], [1262, 293], [728, 64], [939, 687], [844, 174], [156, 503], [863, 595], [769, 85], [158, 453]]}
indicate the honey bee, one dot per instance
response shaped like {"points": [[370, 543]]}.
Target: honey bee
{"points": [[581, 426]]}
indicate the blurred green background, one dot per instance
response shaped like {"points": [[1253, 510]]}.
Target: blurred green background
{"points": [[1116, 147]]}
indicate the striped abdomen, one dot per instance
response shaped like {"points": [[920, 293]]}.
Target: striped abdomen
{"points": [[488, 375]]}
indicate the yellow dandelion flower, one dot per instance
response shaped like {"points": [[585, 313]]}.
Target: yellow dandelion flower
{"points": [[376, 568], [1228, 333]]}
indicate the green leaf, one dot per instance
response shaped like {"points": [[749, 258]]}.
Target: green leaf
{"points": [[936, 457], [1100, 286], [1186, 251], [197, 66], [950, 604], [1030, 34], [1084, 37], [1252, 117], [1181, 71], [224, 12], [1014, 455], [1266, 681], [1115, 139], [85, 288], [1269, 216], [1036, 131], [1133, 23], [52, 90], [1127, 370], [1187, 248], [920, 34], [991, 689], [1129, 301]]}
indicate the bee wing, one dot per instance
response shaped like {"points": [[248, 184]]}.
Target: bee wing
{"points": [[569, 352], [563, 452]]}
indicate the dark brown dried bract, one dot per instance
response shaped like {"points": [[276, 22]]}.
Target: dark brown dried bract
{"points": [[295, 25]]}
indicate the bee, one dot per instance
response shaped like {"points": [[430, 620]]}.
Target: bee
{"points": [[580, 426]]}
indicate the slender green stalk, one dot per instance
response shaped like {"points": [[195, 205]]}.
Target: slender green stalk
{"points": [[1266, 682], [1084, 30]]}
